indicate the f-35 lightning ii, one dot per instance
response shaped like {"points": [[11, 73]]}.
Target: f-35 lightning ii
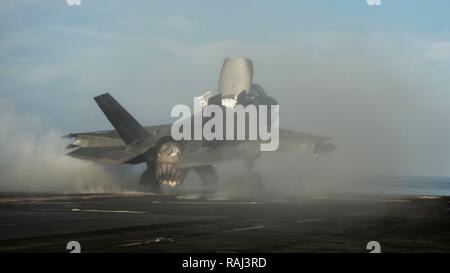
{"points": [[169, 160]]}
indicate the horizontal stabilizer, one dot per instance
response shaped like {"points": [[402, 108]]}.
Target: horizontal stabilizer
{"points": [[108, 155]]}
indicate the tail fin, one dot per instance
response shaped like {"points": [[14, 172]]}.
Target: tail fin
{"points": [[126, 125]]}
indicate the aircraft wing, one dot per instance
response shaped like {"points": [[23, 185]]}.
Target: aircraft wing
{"points": [[109, 155], [291, 140], [111, 138], [95, 139], [128, 141]]}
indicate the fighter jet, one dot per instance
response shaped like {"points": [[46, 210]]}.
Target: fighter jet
{"points": [[169, 160]]}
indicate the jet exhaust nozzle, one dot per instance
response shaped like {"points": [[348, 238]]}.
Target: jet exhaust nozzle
{"points": [[167, 157]]}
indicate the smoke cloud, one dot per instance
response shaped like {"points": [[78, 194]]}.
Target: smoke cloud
{"points": [[383, 101], [32, 159], [380, 99]]}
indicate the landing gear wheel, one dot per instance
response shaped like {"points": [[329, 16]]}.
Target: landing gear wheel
{"points": [[209, 178], [254, 179]]}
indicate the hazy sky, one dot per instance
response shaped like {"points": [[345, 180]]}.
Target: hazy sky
{"points": [[374, 78]]}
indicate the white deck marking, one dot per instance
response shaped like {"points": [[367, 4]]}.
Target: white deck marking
{"points": [[309, 220], [34, 199], [245, 228], [146, 242], [109, 211], [358, 213], [214, 203], [428, 197], [131, 244]]}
